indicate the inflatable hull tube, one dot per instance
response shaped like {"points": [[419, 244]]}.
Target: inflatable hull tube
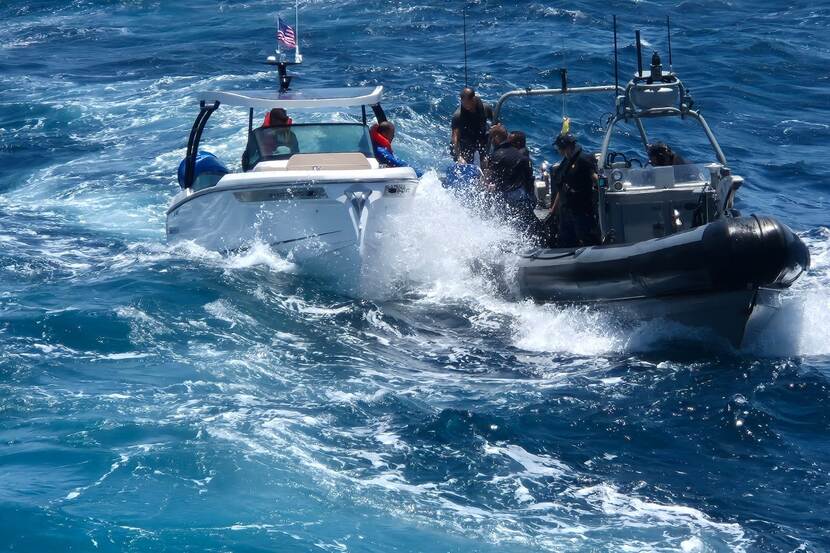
{"points": [[727, 255]]}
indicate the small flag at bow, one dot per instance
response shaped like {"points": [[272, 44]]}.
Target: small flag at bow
{"points": [[286, 35]]}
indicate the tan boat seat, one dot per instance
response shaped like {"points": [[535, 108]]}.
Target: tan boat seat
{"points": [[328, 162]]}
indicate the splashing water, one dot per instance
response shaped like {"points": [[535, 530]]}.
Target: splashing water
{"points": [[170, 398]]}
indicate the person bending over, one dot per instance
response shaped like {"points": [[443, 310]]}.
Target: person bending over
{"points": [[508, 175]]}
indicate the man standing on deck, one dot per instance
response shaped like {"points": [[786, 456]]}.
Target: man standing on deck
{"points": [[575, 178], [470, 127]]}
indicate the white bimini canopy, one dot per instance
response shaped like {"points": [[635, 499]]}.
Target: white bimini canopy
{"points": [[299, 99]]}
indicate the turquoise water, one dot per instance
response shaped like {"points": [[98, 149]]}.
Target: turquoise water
{"points": [[169, 399]]}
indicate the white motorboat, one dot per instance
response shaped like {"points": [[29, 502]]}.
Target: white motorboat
{"points": [[313, 192]]}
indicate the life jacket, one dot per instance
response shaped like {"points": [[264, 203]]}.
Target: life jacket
{"points": [[267, 121], [378, 139]]}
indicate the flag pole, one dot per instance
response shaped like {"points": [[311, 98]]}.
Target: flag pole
{"points": [[465, 44], [298, 57], [279, 48]]}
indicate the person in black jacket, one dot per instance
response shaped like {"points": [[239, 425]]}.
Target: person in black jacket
{"points": [[470, 127], [508, 175], [575, 178], [519, 141]]}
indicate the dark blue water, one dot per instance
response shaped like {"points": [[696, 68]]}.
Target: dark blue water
{"points": [[169, 399]]}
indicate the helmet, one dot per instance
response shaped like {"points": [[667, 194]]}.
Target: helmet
{"points": [[564, 140]]}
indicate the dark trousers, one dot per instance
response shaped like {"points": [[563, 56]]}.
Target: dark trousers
{"points": [[467, 150], [576, 229], [518, 209]]}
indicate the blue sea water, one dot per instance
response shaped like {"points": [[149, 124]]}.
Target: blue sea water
{"points": [[155, 398]]}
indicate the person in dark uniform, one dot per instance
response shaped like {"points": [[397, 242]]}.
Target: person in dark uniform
{"points": [[507, 176], [519, 141], [469, 128], [575, 179]]}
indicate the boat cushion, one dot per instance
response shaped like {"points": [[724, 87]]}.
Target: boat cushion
{"points": [[354, 161]]}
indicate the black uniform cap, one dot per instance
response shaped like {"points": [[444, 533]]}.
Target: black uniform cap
{"points": [[564, 139]]}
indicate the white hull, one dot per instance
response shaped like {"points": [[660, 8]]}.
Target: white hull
{"points": [[332, 225]]}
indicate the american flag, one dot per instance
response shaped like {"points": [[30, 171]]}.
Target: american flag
{"points": [[285, 34]]}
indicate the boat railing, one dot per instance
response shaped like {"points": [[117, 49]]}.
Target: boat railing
{"points": [[550, 92]]}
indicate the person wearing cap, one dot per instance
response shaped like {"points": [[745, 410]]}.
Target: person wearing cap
{"points": [[661, 155], [470, 127], [575, 178]]}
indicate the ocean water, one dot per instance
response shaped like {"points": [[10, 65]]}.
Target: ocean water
{"points": [[157, 398]]}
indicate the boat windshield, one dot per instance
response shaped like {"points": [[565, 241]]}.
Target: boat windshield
{"points": [[281, 142], [666, 177]]}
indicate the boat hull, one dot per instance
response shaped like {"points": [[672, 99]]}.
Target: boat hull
{"points": [[720, 277], [331, 229], [736, 317]]}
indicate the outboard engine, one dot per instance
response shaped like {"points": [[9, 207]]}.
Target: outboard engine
{"points": [[209, 170]]}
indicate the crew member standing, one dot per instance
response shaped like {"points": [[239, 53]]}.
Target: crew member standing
{"points": [[470, 127], [575, 179]]}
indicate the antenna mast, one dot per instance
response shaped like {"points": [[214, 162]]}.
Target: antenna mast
{"points": [[668, 32], [616, 61], [298, 57], [466, 84], [639, 54]]}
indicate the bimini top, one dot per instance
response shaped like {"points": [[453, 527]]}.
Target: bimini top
{"points": [[296, 99]]}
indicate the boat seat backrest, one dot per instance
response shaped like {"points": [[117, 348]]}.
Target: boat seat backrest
{"points": [[328, 162]]}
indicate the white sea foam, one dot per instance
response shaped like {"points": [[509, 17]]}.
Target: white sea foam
{"points": [[799, 328]]}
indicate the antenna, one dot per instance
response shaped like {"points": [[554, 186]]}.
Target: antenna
{"points": [[298, 57], [639, 54], [616, 60], [466, 84], [668, 32]]}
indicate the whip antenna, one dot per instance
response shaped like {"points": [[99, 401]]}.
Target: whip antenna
{"points": [[616, 60], [639, 54], [466, 84], [298, 57], [668, 32]]}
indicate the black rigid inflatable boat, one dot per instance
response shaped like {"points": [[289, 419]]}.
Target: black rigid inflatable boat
{"points": [[716, 276], [673, 246]]}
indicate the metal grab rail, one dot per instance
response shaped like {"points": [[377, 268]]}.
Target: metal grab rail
{"points": [[551, 92], [661, 112], [193, 142]]}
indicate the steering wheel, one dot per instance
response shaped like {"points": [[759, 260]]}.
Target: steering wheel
{"points": [[612, 157]]}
